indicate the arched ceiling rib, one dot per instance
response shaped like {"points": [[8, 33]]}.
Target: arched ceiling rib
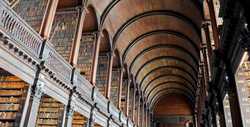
{"points": [[158, 40], [165, 92], [163, 73], [167, 87]]}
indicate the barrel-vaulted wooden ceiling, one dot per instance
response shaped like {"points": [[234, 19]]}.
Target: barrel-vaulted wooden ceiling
{"points": [[158, 40]]}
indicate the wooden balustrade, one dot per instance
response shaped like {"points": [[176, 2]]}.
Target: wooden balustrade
{"points": [[16, 29], [114, 111], [83, 87], [56, 67], [102, 102]]}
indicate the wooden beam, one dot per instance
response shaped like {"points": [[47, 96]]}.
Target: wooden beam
{"points": [[48, 19]]}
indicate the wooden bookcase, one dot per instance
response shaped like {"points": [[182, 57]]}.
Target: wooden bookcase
{"points": [[97, 125], [63, 31], [32, 11], [131, 95], [124, 95], [114, 91], [13, 92], [50, 113], [102, 72], [86, 54], [79, 120]]}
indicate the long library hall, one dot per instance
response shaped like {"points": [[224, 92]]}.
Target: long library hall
{"points": [[124, 63]]}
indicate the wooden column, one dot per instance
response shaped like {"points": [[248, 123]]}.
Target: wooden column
{"points": [[221, 111], [120, 88], [146, 116], [78, 36], [138, 110], [95, 61], [69, 111], [196, 120], [233, 98], [90, 121], [111, 57], [69, 118], [142, 114], [48, 19], [33, 105], [128, 97], [133, 106], [214, 23]]}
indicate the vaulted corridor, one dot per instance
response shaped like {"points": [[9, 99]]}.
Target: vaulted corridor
{"points": [[124, 63]]}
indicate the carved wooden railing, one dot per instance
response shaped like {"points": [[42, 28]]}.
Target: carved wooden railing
{"points": [[102, 102], [56, 67], [114, 111], [83, 87], [19, 31]]}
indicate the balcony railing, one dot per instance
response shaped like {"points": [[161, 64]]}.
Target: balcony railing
{"points": [[19, 31], [28, 40], [56, 64]]}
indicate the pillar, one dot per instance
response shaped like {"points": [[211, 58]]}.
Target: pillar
{"points": [[69, 117], [120, 89], [90, 121], [233, 97], [133, 106], [138, 110], [128, 97], [221, 112], [78, 36], [196, 120], [214, 23], [48, 19], [69, 111], [111, 57], [96, 55], [33, 105]]}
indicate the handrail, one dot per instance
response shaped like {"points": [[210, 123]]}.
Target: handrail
{"points": [[114, 111], [16, 28], [83, 86], [101, 101], [55, 62]]}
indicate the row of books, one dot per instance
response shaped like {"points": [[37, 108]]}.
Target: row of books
{"points": [[115, 86], [63, 31], [50, 112], [79, 120], [102, 73], [32, 11], [13, 92]]}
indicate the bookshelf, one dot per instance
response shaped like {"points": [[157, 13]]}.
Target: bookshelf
{"points": [[124, 95], [131, 95], [86, 54], [102, 72], [63, 31], [97, 125], [13, 92], [114, 91], [79, 120], [32, 11], [50, 113]]}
